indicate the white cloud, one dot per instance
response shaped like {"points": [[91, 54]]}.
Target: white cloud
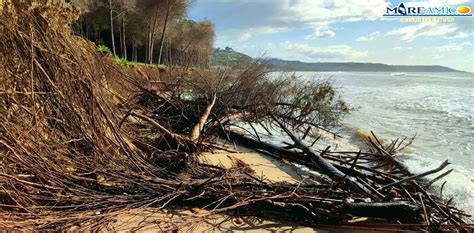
{"points": [[239, 36], [320, 14], [430, 29], [435, 3], [398, 48], [305, 52], [291, 14], [453, 47], [246, 36], [321, 33], [316, 12], [270, 30], [250, 32], [369, 37]]}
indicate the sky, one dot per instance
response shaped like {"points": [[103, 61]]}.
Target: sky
{"points": [[339, 31]]}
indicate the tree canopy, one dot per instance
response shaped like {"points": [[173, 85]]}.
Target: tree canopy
{"points": [[151, 31]]}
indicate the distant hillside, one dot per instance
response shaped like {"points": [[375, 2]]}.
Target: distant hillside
{"points": [[227, 56], [279, 64]]}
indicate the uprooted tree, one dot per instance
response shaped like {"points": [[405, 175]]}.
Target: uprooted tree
{"points": [[82, 141]]}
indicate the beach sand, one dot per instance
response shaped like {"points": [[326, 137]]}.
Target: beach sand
{"points": [[265, 167]]}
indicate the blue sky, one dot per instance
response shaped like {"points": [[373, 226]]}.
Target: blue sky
{"points": [[339, 31]]}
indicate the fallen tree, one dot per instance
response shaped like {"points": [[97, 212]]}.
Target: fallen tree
{"points": [[82, 142]]}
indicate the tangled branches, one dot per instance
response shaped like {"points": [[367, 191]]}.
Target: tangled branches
{"points": [[63, 155], [79, 146]]}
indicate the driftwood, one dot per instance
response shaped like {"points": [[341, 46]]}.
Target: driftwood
{"points": [[387, 153], [77, 154], [391, 211], [174, 139], [439, 177], [281, 153], [441, 167], [324, 166], [196, 131], [385, 186]]}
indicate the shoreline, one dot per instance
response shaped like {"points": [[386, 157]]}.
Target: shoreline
{"points": [[266, 168], [352, 139]]}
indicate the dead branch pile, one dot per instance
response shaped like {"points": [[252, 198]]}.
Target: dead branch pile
{"points": [[79, 147], [378, 179]]}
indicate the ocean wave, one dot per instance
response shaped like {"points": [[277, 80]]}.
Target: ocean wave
{"points": [[437, 106], [436, 75], [398, 74], [459, 184]]}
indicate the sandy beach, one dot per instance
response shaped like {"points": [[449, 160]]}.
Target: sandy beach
{"points": [[266, 168]]}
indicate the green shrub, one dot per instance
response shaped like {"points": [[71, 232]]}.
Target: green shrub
{"points": [[260, 97], [122, 61], [162, 66], [103, 49]]}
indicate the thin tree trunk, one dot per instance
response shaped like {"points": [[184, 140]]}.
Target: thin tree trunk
{"points": [[152, 36], [170, 56], [81, 24], [88, 32], [163, 32], [121, 38], [112, 27], [147, 46], [124, 44], [134, 53]]}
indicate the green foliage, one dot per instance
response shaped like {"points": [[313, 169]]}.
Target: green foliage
{"points": [[185, 42], [122, 61], [103, 49], [162, 66], [314, 102], [258, 97], [229, 57]]}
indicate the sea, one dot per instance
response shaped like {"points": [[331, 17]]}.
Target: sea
{"points": [[437, 107]]}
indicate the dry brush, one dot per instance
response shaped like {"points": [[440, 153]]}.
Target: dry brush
{"points": [[82, 141]]}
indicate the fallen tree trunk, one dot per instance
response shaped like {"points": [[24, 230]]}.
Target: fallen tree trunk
{"points": [[400, 210], [75, 166], [196, 132], [172, 139], [254, 144], [298, 157], [324, 166], [390, 211]]}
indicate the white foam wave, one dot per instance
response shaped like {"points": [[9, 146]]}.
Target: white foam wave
{"points": [[398, 74], [459, 184]]}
